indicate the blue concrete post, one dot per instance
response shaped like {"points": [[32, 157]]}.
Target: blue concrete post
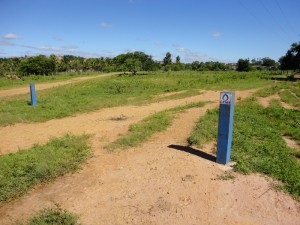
{"points": [[225, 126], [32, 94]]}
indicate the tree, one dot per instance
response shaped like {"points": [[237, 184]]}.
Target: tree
{"points": [[178, 65], [55, 61], [76, 64], [37, 65], [268, 62], [243, 65], [133, 65], [168, 59], [291, 60], [146, 61], [8, 66]]}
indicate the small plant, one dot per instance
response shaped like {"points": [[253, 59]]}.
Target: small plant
{"points": [[226, 176], [53, 216]]}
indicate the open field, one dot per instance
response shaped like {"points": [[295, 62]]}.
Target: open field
{"points": [[44, 82], [6, 83], [143, 171], [95, 94]]}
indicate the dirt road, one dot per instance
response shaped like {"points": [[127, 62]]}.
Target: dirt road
{"points": [[43, 86], [20, 136], [160, 182]]}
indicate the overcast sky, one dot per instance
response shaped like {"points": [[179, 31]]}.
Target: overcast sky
{"points": [[203, 30]]}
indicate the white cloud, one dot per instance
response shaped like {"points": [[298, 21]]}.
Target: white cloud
{"points": [[105, 24], [46, 48], [176, 45], [216, 34], [66, 49], [58, 38], [191, 56], [6, 43], [180, 49], [105, 54], [130, 50], [2, 52], [11, 36], [157, 42], [143, 39]]}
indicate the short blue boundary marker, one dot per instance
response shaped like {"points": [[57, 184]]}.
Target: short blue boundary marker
{"points": [[225, 126], [32, 94]]}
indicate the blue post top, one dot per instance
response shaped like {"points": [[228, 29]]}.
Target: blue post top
{"points": [[227, 97]]}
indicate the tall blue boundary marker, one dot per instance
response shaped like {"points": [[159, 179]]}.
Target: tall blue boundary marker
{"points": [[32, 94], [225, 126]]}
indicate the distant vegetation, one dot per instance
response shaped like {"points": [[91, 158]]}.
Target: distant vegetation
{"points": [[137, 61]]}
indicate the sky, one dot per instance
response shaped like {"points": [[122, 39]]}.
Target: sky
{"points": [[195, 30]]}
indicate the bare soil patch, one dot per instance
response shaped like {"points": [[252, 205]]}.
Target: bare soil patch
{"points": [[161, 182], [291, 143], [265, 101]]}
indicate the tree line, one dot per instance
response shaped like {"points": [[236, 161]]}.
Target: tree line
{"points": [[129, 62], [137, 61], [290, 61]]}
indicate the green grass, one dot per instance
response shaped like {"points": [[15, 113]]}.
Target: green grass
{"points": [[115, 91], [205, 129], [144, 129], [290, 98], [21, 170], [289, 92], [180, 95], [293, 87], [24, 81], [53, 216], [257, 141]]}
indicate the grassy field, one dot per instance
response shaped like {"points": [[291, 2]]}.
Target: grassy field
{"points": [[118, 90], [24, 169], [258, 145], [6, 83]]}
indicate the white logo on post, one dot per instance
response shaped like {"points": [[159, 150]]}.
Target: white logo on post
{"points": [[225, 98]]}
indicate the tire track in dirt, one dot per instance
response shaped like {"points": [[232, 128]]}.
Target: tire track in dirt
{"points": [[156, 184], [265, 101], [43, 86]]}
